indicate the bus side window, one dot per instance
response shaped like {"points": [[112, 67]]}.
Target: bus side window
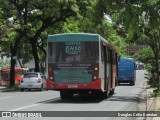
{"points": [[50, 50]]}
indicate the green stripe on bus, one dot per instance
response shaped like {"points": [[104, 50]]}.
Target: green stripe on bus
{"points": [[71, 37], [69, 76]]}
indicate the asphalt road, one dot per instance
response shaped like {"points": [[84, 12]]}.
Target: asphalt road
{"points": [[126, 98]]}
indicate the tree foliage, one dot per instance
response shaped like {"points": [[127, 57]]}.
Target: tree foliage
{"points": [[25, 24], [31, 19], [139, 21]]}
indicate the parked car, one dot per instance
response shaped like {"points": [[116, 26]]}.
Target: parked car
{"points": [[33, 80]]}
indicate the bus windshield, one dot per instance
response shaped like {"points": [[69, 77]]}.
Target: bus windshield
{"points": [[73, 52]]}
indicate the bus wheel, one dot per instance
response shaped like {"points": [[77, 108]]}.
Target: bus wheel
{"points": [[102, 95], [112, 91], [66, 94], [105, 95]]}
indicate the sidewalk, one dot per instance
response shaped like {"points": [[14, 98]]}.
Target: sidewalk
{"points": [[5, 89], [153, 104], [2, 88]]}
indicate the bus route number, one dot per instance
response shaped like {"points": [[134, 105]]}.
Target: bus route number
{"points": [[72, 86]]}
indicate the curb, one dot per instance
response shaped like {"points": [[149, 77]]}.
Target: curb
{"points": [[9, 90], [153, 103], [151, 106], [4, 89]]}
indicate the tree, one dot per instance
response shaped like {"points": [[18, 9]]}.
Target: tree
{"points": [[47, 14], [16, 32], [30, 19], [137, 18]]}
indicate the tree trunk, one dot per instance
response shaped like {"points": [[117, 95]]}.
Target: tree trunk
{"points": [[13, 62], [12, 73], [36, 58], [20, 63], [157, 70], [14, 49], [21, 33]]}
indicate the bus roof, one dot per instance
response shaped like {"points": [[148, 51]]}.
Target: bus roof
{"points": [[125, 58], [108, 43], [70, 36], [79, 37]]}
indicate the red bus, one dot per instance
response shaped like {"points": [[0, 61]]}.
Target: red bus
{"points": [[80, 63], [5, 75]]}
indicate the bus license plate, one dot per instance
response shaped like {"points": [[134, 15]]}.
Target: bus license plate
{"points": [[72, 86]]}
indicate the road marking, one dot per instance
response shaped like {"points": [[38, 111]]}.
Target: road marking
{"points": [[5, 97], [24, 107]]}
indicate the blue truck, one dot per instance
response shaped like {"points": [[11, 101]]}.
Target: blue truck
{"points": [[127, 71]]}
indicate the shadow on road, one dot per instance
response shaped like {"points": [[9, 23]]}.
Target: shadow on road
{"points": [[78, 99], [124, 99]]}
